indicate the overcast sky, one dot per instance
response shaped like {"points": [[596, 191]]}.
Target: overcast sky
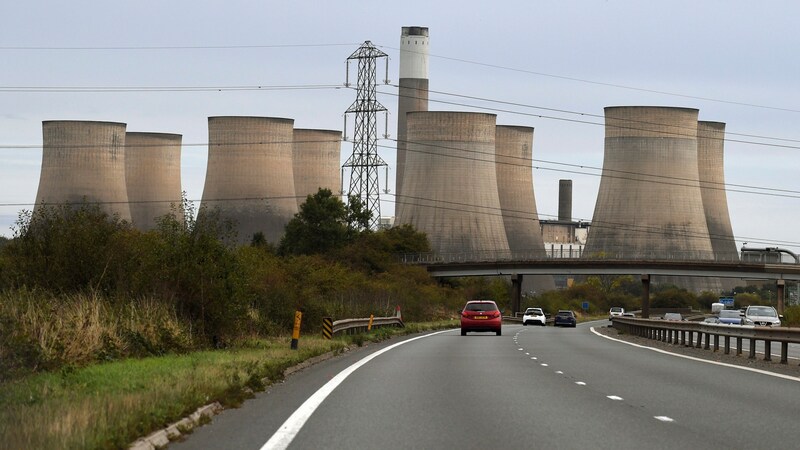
{"points": [[559, 62]]}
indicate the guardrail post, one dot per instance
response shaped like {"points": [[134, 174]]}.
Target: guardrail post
{"points": [[327, 328], [738, 346], [784, 353], [716, 342], [727, 345], [767, 350]]}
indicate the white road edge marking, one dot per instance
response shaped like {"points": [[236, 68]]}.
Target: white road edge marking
{"points": [[614, 397], [664, 418], [658, 350], [287, 432]]}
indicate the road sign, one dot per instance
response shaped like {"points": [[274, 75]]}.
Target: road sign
{"points": [[727, 301], [585, 306]]}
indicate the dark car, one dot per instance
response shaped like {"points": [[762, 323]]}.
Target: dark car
{"points": [[481, 315], [565, 318]]}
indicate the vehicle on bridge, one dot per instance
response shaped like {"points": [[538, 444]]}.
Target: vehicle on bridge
{"points": [[534, 316], [481, 315], [565, 318]]}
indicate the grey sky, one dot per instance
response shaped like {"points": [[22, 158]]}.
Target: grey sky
{"points": [[527, 52]]}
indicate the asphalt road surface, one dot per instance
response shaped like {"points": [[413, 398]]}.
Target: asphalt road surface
{"points": [[533, 387]]}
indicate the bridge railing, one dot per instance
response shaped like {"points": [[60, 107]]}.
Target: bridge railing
{"points": [[707, 336], [540, 255]]}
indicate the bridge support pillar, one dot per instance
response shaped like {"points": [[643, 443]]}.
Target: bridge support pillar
{"points": [[645, 296], [781, 286], [516, 293]]}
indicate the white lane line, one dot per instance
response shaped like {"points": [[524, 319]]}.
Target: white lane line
{"points": [[527, 353], [533, 357], [520, 349], [559, 372], [287, 432], [664, 418], [580, 383], [614, 397], [658, 350], [544, 365]]}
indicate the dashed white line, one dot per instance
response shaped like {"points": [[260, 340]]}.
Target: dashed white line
{"points": [[664, 418], [614, 397], [544, 365], [533, 357], [580, 383], [559, 372]]}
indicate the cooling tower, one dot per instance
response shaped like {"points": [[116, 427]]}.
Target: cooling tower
{"points": [[450, 185], [649, 205], [249, 177], [316, 157], [514, 153], [565, 200], [84, 160], [153, 177], [710, 150], [413, 91]]}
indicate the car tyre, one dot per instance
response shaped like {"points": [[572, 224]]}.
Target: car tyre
{"points": [[524, 324], [463, 332], [499, 332]]}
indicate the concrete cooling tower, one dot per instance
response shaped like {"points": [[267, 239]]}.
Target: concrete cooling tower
{"points": [[249, 179], [450, 185], [514, 153], [413, 92], [649, 205], [710, 150], [153, 177], [84, 161], [316, 157]]}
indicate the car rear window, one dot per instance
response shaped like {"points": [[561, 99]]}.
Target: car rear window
{"points": [[481, 307], [729, 314]]}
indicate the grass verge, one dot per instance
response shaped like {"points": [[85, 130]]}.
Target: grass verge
{"points": [[111, 405]]}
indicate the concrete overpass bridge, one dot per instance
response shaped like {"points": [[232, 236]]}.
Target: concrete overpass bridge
{"points": [[461, 266]]}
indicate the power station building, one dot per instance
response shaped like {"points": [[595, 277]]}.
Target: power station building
{"points": [[514, 159], [650, 203], [316, 156], [450, 184], [413, 91], [84, 161], [250, 177], [153, 177]]}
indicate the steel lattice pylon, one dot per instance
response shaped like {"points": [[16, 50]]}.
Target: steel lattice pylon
{"points": [[364, 162]]}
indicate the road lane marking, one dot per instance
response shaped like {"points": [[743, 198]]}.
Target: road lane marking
{"points": [[533, 357], [614, 397], [544, 365], [559, 372], [664, 418], [658, 350], [287, 432], [580, 383]]}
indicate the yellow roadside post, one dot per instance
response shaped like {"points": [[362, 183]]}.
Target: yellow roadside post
{"points": [[298, 317], [369, 327]]}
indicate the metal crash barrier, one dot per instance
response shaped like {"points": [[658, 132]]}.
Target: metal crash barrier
{"points": [[707, 336]]}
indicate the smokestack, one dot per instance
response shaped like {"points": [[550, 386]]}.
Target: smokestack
{"points": [[649, 204], [413, 91], [565, 200], [249, 176], [153, 177], [450, 187], [315, 159], [84, 160], [514, 149]]}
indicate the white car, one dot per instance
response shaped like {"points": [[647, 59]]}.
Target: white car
{"points": [[615, 311], [763, 315], [534, 316]]}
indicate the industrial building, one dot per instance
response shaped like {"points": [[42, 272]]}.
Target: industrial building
{"points": [[450, 184], [250, 177], [315, 162], [650, 204], [153, 177], [84, 161], [413, 90], [514, 159]]}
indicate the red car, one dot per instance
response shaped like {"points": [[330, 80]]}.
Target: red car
{"points": [[481, 315]]}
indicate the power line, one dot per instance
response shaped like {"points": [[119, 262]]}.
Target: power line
{"points": [[173, 47], [96, 89], [600, 83]]}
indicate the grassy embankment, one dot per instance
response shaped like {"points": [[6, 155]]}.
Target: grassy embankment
{"points": [[112, 404]]}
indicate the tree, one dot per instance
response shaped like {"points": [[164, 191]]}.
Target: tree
{"points": [[324, 223]]}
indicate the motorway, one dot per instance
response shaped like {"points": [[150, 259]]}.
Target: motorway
{"points": [[532, 387]]}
